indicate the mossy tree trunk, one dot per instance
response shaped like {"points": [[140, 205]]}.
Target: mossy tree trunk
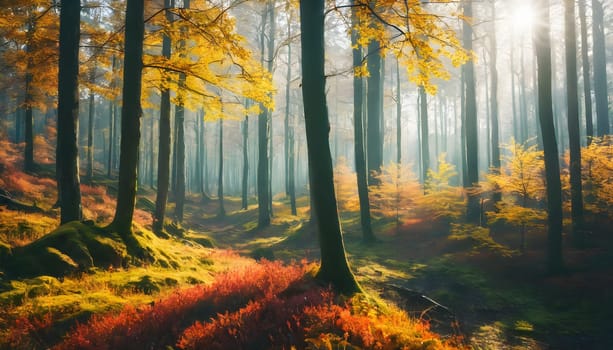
{"points": [[131, 113], [263, 135], [67, 152], [334, 265]]}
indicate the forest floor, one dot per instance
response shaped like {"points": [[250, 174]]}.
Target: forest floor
{"points": [[495, 301], [501, 302]]}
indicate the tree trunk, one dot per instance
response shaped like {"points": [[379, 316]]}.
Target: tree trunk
{"points": [[222, 211], [291, 172], [287, 105], [472, 149], [358, 134], [131, 113], [425, 143], [163, 182], [398, 115], [574, 137], [334, 265], [587, 90], [600, 69], [90, 138], [555, 262], [245, 182], [495, 130], [374, 143], [180, 150], [29, 101], [67, 151], [263, 135]]}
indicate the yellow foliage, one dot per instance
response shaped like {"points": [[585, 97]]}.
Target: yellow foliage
{"points": [[209, 66], [420, 37], [597, 163], [396, 192], [345, 185], [521, 182], [440, 199]]}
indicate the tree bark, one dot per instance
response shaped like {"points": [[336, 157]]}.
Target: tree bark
{"points": [[495, 130], [90, 136], [245, 181], [67, 151], [470, 123], [574, 137], [587, 90], [358, 135], [374, 144], [425, 143], [263, 135], [222, 211], [29, 101], [600, 69], [334, 267], [163, 182], [131, 113], [555, 263]]}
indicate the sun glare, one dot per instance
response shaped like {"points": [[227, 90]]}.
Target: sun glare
{"points": [[522, 18]]}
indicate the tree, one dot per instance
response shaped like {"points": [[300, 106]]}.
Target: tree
{"points": [[542, 41], [423, 124], [67, 152], [131, 113], [572, 100], [374, 102], [470, 122], [600, 69], [521, 180], [245, 180], [494, 100], [358, 133], [164, 140], [222, 211], [587, 90], [334, 267], [264, 127]]}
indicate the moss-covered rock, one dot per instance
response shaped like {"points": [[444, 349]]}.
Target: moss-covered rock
{"points": [[75, 246]]}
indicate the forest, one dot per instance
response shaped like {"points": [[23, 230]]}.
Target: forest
{"points": [[306, 174]]}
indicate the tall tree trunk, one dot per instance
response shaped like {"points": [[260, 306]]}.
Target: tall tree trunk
{"points": [[111, 123], [555, 261], [287, 103], [494, 102], [131, 113], [163, 182], [67, 151], [574, 137], [222, 211], [271, 57], [523, 99], [245, 182], [358, 135], [374, 143], [180, 150], [600, 69], [29, 101], [472, 149], [425, 142], [291, 172], [398, 115], [587, 90], [151, 152], [263, 135], [90, 136], [334, 267]]}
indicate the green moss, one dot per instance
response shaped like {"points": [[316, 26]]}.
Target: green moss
{"points": [[71, 247]]}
